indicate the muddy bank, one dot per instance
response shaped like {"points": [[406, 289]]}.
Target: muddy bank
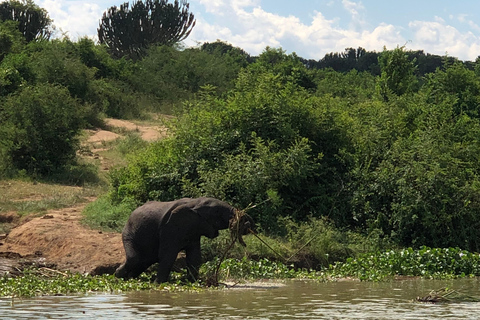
{"points": [[59, 240]]}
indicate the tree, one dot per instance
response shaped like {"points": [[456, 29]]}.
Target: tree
{"points": [[33, 21], [458, 83], [398, 73], [11, 39], [129, 31]]}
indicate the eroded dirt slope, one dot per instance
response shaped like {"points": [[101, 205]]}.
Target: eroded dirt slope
{"points": [[60, 239]]}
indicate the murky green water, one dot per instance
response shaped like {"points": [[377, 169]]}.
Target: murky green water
{"points": [[295, 300]]}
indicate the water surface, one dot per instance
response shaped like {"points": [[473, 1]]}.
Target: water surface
{"points": [[289, 300]]}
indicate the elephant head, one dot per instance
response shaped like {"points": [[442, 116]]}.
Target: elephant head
{"points": [[215, 212]]}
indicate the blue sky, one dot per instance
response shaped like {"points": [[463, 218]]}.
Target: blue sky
{"points": [[310, 28]]}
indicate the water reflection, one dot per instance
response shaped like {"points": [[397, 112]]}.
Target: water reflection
{"points": [[295, 300]]}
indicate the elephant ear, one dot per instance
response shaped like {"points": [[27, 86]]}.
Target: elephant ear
{"points": [[189, 220]]}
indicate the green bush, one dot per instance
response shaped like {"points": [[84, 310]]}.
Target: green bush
{"points": [[15, 72], [245, 269], [422, 188], [132, 143], [11, 39], [314, 244], [276, 157], [101, 214], [39, 129], [174, 75]]}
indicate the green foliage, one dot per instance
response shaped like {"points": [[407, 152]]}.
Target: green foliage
{"points": [[397, 73], [215, 152], [113, 98], [422, 188], [245, 269], [40, 126], [15, 72], [54, 62], [288, 67], [351, 59], [97, 57], [32, 21], [425, 262], [457, 83], [353, 87], [11, 40], [313, 244], [251, 176], [78, 67], [173, 76], [132, 143], [130, 31], [102, 215], [222, 49]]}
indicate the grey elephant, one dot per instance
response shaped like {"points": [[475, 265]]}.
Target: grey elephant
{"points": [[158, 231]]}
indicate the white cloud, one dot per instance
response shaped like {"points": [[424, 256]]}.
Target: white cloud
{"points": [[463, 18], [77, 18], [441, 38], [356, 10], [213, 6], [252, 29], [353, 7]]}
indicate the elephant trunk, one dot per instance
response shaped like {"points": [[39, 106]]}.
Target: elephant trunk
{"points": [[241, 224]]}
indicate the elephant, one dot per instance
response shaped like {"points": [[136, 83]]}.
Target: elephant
{"points": [[158, 231]]}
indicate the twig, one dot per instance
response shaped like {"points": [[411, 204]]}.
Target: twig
{"points": [[306, 244], [217, 270], [256, 235], [256, 205], [54, 271]]}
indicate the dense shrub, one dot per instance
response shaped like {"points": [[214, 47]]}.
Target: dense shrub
{"points": [[173, 75], [39, 128], [416, 176], [276, 155]]}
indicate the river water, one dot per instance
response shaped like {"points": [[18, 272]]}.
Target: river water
{"points": [[286, 300]]}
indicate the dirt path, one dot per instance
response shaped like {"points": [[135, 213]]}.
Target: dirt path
{"points": [[148, 133], [58, 238]]}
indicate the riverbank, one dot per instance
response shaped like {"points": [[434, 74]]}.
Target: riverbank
{"points": [[41, 223], [41, 227]]}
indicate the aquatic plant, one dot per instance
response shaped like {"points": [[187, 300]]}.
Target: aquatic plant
{"points": [[43, 281], [246, 269], [436, 263]]}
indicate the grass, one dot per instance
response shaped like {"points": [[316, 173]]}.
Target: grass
{"points": [[102, 215], [314, 244], [23, 196]]}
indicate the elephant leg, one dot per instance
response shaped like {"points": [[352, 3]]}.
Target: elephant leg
{"points": [[130, 264], [134, 264], [194, 260], [166, 260]]}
